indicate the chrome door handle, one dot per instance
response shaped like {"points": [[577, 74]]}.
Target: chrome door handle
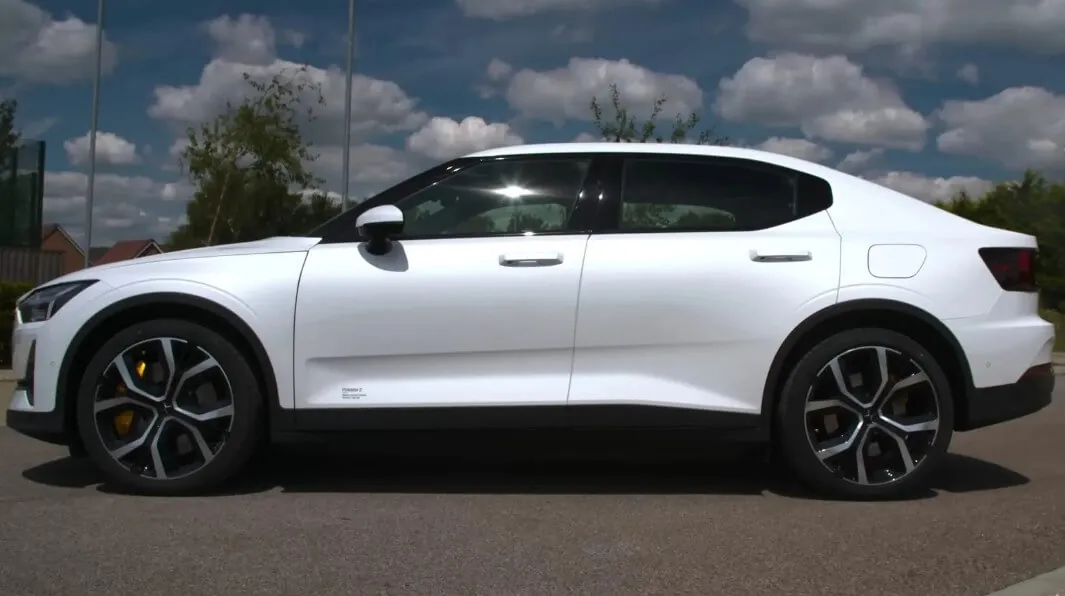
{"points": [[758, 257], [545, 259]]}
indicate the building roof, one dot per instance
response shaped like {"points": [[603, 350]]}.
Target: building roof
{"points": [[125, 250], [49, 229]]}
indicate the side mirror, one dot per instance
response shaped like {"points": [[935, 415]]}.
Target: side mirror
{"points": [[380, 225]]}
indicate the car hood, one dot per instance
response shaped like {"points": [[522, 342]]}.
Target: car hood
{"points": [[277, 244]]}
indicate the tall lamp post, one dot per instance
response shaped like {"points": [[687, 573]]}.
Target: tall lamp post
{"points": [[92, 128], [347, 105]]}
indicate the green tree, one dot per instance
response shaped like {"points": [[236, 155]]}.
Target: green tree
{"points": [[624, 127], [249, 166], [9, 135]]}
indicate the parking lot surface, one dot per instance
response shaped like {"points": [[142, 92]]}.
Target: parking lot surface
{"points": [[541, 515]]}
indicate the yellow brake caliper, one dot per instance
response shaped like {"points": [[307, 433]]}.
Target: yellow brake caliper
{"points": [[124, 419]]}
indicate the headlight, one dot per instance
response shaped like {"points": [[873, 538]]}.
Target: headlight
{"points": [[40, 304]]}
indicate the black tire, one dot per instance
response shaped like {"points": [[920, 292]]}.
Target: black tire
{"points": [[239, 442], [796, 447]]}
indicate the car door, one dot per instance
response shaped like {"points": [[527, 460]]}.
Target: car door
{"points": [[474, 305], [701, 269]]}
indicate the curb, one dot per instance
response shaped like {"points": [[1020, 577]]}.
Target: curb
{"points": [[1048, 584]]}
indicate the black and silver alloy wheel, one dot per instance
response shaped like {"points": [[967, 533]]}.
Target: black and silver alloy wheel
{"points": [[163, 408], [872, 415], [169, 407], [867, 414]]}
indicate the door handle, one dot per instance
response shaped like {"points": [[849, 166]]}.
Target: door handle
{"points": [[759, 257], [540, 259]]}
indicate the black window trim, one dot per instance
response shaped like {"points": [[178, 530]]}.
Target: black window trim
{"points": [[608, 219], [341, 229]]}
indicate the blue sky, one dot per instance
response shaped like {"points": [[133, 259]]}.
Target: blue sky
{"points": [[927, 96]]}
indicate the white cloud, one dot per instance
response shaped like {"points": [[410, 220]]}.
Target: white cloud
{"points": [[828, 98], [249, 39], [498, 70], [858, 161], [377, 106], [906, 25], [565, 93], [931, 189], [111, 149], [969, 73], [372, 168], [38, 48], [800, 148], [510, 9], [1019, 127], [443, 138], [587, 137], [124, 207]]}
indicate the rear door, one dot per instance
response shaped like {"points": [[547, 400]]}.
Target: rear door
{"points": [[700, 269]]}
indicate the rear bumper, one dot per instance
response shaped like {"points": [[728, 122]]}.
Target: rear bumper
{"points": [[993, 405]]}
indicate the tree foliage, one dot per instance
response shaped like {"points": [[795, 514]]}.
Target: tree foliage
{"points": [[1032, 205], [250, 166], [9, 135], [624, 127]]}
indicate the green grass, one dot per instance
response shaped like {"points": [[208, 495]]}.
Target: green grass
{"points": [[1058, 319]]}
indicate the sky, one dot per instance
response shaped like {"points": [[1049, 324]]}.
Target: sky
{"points": [[925, 96]]}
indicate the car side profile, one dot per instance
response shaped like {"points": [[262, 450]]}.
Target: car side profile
{"points": [[744, 294]]}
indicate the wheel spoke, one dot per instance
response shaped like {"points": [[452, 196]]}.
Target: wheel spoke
{"points": [[157, 457], [127, 379], [885, 375], [844, 444], [841, 383], [197, 437], [215, 414], [113, 402], [910, 381], [189, 373], [139, 442], [171, 367], [859, 458], [904, 449], [926, 423]]}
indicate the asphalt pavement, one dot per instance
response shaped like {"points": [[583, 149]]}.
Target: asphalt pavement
{"points": [[633, 514]]}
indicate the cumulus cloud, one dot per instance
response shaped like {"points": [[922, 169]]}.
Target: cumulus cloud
{"points": [[800, 148], [124, 207], [563, 93], [931, 189], [859, 161], [969, 73], [111, 149], [248, 38], [38, 48], [1019, 127], [377, 105], [510, 9], [908, 26], [443, 138], [827, 98]]}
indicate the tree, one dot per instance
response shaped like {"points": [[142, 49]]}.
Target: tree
{"points": [[625, 129], [250, 166], [9, 135]]}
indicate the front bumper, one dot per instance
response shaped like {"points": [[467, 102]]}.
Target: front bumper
{"points": [[993, 405]]}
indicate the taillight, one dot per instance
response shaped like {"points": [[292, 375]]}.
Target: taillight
{"points": [[1013, 268]]}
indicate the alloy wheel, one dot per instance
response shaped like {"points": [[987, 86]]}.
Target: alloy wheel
{"points": [[872, 415], [163, 408]]}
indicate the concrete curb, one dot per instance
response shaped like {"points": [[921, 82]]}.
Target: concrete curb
{"points": [[1048, 584]]}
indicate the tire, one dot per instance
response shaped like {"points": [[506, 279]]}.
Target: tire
{"points": [[226, 441], [879, 455]]}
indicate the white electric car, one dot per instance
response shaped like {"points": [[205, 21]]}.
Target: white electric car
{"points": [[739, 293]]}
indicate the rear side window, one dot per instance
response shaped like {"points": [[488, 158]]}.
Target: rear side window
{"points": [[715, 195]]}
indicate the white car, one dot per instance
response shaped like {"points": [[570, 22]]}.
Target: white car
{"points": [[747, 294]]}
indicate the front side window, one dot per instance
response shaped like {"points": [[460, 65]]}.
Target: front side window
{"points": [[497, 197], [663, 194]]}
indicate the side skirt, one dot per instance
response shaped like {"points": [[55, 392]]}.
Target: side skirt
{"points": [[723, 426]]}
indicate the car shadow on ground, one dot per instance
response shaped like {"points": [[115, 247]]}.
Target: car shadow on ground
{"points": [[630, 464]]}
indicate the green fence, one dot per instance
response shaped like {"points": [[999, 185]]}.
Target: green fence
{"points": [[22, 196]]}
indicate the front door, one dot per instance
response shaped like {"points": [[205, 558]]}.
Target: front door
{"points": [[474, 306]]}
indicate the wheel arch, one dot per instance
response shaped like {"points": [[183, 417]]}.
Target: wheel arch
{"points": [[905, 318], [143, 307]]}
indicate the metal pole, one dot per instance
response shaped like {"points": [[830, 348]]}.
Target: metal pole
{"points": [[347, 104], [92, 129]]}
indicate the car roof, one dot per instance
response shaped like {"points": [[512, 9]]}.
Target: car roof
{"points": [[663, 148]]}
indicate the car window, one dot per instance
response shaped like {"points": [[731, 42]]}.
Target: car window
{"points": [[497, 197], [692, 195]]}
